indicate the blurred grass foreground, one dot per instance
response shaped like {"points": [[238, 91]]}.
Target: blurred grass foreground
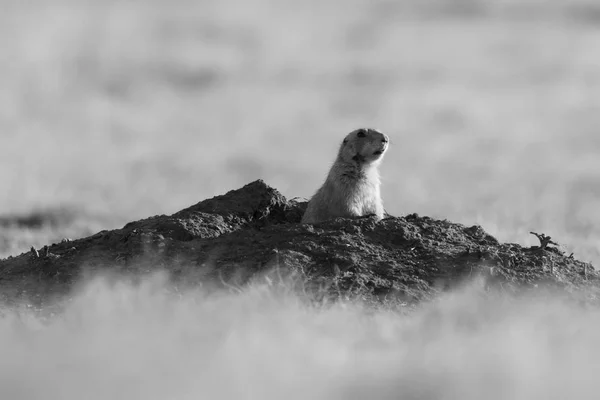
{"points": [[120, 110]]}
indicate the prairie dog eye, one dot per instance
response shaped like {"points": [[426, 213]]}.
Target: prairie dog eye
{"points": [[361, 133]]}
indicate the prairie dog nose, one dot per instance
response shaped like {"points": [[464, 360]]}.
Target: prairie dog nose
{"points": [[385, 138]]}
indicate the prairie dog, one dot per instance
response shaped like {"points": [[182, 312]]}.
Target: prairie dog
{"points": [[352, 187]]}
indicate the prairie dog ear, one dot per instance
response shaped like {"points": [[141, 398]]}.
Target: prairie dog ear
{"points": [[345, 141]]}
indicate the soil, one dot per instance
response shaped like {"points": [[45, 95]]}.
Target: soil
{"points": [[253, 233]]}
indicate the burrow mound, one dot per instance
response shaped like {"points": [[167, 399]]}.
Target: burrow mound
{"points": [[231, 239]]}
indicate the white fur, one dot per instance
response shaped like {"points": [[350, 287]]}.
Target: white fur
{"points": [[352, 187]]}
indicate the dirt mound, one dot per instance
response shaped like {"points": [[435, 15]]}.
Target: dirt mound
{"points": [[232, 238]]}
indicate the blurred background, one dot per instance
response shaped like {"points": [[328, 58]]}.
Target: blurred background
{"points": [[112, 111]]}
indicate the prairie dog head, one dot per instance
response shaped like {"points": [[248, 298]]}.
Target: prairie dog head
{"points": [[364, 146]]}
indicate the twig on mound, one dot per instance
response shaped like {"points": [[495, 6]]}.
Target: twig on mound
{"points": [[544, 240]]}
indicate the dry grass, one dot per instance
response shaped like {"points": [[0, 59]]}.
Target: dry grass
{"points": [[122, 341], [120, 110], [127, 109]]}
